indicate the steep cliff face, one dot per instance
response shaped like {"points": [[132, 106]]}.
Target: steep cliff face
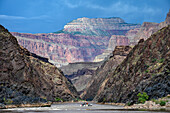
{"points": [[119, 54], [166, 22], [145, 69], [148, 28], [25, 76], [80, 40]]}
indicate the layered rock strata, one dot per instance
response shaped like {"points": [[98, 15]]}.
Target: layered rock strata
{"points": [[80, 41]]}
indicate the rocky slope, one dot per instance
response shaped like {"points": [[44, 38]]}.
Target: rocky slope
{"points": [[28, 78], [80, 40], [118, 55], [145, 69]]}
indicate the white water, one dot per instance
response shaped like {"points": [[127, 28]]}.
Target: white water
{"points": [[74, 108]]}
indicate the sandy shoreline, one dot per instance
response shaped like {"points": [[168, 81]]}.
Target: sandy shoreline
{"points": [[148, 106], [48, 104]]}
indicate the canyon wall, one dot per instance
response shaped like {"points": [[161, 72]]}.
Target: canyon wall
{"points": [[80, 41]]}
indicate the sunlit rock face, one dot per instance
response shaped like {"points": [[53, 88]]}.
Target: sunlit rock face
{"points": [[81, 40]]}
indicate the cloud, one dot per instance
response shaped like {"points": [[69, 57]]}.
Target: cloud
{"points": [[114, 7], [22, 18], [72, 5], [11, 17]]}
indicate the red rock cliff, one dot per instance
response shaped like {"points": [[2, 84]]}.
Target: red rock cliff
{"points": [[80, 40]]}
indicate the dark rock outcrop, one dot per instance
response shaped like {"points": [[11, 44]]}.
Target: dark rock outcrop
{"points": [[145, 69], [118, 55], [26, 77]]}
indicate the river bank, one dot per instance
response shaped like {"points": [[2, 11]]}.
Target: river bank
{"points": [[147, 106], [48, 104]]}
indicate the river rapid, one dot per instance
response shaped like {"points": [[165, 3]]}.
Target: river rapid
{"points": [[75, 108]]}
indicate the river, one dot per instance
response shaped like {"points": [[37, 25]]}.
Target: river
{"points": [[74, 108]]}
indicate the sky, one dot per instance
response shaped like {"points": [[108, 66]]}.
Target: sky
{"points": [[45, 16]]}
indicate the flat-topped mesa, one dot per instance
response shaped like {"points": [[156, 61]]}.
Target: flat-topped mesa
{"points": [[97, 26]]}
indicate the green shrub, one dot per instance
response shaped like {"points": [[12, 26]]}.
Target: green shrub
{"points": [[162, 103], [7, 101], [168, 96], [129, 103], [161, 60], [156, 101], [57, 99], [154, 60], [142, 97], [104, 99], [146, 71], [146, 66], [153, 75]]}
